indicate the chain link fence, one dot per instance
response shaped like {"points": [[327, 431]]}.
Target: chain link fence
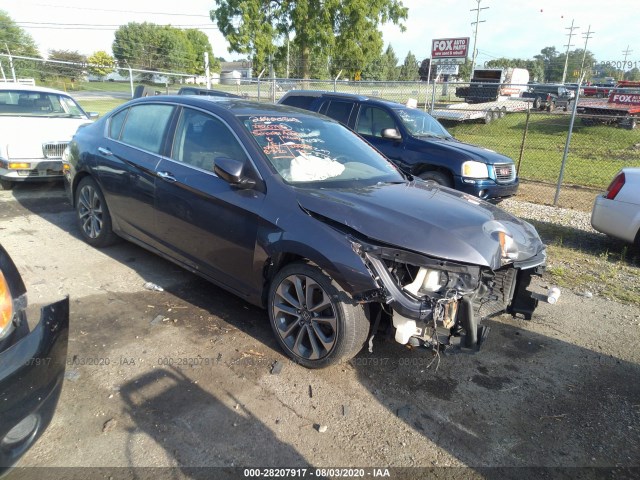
{"points": [[565, 156]]}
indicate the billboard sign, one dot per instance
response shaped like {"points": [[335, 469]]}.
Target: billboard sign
{"points": [[448, 61], [447, 69], [450, 48]]}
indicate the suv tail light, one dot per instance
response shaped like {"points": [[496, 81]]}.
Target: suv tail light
{"points": [[616, 185]]}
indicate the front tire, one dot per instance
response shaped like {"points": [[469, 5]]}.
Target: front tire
{"points": [[6, 185], [315, 322], [93, 214], [437, 177]]}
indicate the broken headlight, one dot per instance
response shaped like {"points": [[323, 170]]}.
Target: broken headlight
{"points": [[508, 246]]}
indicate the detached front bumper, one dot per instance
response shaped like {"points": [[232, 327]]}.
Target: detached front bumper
{"points": [[32, 366]]}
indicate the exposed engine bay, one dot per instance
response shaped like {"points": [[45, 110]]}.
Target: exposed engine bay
{"points": [[438, 303]]}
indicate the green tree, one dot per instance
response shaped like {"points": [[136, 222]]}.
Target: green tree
{"points": [[148, 46], [74, 71], [101, 63], [19, 43], [318, 63], [464, 72], [423, 71], [391, 70], [409, 69], [535, 67], [549, 58], [343, 29], [200, 44], [633, 74]]}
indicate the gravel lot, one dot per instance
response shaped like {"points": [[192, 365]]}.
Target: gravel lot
{"points": [[183, 378]]}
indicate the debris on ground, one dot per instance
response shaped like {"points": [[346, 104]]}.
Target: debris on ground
{"points": [[157, 319], [109, 425], [72, 375], [276, 368], [153, 287], [321, 428]]}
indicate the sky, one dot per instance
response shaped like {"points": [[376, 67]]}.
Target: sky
{"points": [[508, 28]]}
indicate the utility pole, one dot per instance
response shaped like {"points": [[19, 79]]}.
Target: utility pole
{"points": [[207, 72], [569, 45], [587, 36], [475, 33], [626, 54]]}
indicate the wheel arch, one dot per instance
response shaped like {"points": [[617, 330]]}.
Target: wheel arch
{"points": [[421, 168], [349, 271], [76, 181]]}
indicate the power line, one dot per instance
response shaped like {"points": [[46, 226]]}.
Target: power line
{"points": [[122, 11]]}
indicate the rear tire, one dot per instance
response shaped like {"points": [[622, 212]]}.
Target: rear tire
{"points": [[6, 185], [537, 102], [436, 177], [92, 213], [315, 322]]}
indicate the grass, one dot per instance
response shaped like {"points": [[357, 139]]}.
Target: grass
{"points": [[100, 106], [587, 261], [595, 155]]}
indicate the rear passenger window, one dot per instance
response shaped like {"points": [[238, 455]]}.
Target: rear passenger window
{"points": [[146, 126], [115, 124], [338, 110], [299, 101]]}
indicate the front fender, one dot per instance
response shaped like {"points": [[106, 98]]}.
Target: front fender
{"points": [[326, 247]]}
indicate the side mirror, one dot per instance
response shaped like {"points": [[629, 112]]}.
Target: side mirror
{"points": [[230, 170], [93, 115], [391, 133]]}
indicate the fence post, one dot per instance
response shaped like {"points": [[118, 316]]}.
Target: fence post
{"points": [[335, 82], [524, 138], [433, 97], [567, 144], [260, 76]]}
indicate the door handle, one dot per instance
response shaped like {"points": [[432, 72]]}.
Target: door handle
{"points": [[105, 151], [167, 176]]}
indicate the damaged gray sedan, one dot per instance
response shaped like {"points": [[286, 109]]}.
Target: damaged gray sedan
{"points": [[297, 214]]}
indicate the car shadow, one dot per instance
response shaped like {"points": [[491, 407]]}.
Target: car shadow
{"points": [[196, 428], [529, 399]]}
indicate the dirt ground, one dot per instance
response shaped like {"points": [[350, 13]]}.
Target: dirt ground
{"points": [[183, 378]]}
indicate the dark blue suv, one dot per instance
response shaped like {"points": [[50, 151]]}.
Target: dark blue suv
{"points": [[416, 142]]}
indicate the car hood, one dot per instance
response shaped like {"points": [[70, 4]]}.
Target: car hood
{"points": [[24, 136], [432, 220], [472, 152]]}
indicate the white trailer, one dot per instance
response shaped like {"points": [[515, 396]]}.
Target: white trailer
{"points": [[486, 112]]}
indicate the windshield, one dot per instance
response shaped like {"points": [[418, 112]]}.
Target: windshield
{"points": [[24, 103], [307, 150], [421, 124]]}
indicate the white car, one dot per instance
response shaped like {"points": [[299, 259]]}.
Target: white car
{"points": [[36, 124], [617, 211]]}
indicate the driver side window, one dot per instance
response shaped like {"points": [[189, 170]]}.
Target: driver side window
{"points": [[372, 121], [201, 138]]}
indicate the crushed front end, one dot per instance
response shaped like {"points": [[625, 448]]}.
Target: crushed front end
{"points": [[438, 303]]}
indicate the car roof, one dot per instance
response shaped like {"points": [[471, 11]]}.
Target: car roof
{"points": [[235, 106], [344, 96], [29, 88]]}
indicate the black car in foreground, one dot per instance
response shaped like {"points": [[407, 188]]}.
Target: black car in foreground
{"points": [[32, 365], [296, 213]]}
